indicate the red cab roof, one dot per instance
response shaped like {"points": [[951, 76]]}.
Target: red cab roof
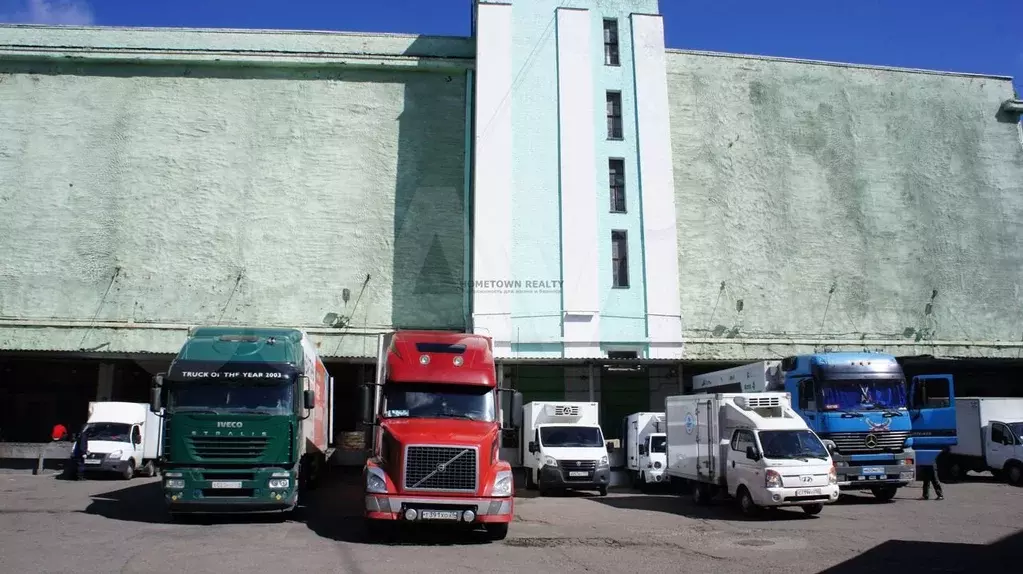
{"points": [[458, 358]]}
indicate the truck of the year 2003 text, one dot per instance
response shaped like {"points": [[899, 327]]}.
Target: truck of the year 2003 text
{"points": [[857, 404], [437, 415], [246, 420]]}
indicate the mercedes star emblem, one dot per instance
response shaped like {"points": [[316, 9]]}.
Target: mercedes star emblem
{"points": [[871, 441]]}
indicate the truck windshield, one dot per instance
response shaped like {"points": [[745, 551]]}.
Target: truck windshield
{"points": [[792, 444], [425, 400], [658, 444], [571, 436], [867, 394], [117, 432], [1017, 429], [231, 397]]}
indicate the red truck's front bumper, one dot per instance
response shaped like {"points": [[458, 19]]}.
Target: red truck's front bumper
{"points": [[396, 507]]}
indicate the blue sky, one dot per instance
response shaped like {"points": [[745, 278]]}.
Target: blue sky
{"points": [[981, 36]]}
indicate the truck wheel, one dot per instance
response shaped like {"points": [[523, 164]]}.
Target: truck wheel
{"points": [[954, 472], [700, 493], [884, 493], [530, 483], [149, 470], [746, 504], [129, 471], [602, 491], [813, 509], [1014, 473], [497, 530]]}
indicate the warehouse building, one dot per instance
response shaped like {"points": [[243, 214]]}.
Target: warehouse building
{"points": [[615, 214]]}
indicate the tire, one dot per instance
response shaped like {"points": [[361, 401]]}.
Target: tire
{"points": [[813, 509], [497, 531], [746, 503], [530, 483], [1014, 474], [954, 472], [149, 469], [700, 493], [884, 493], [129, 471], [602, 490]]}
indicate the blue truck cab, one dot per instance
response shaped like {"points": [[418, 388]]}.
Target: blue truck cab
{"points": [[857, 404]]}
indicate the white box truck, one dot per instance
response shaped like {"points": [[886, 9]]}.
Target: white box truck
{"points": [[750, 446], [122, 438], [990, 438], [564, 447], [752, 378], [645, 448]]}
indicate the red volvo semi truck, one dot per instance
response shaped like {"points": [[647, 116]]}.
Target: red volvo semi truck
{"points": [[437, 414]]}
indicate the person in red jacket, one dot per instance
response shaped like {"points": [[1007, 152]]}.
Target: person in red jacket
{"points": [[59, 432]]}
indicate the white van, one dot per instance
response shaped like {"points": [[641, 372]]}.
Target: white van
{"points": [[564, 447], [751, 446], [122, 438]]}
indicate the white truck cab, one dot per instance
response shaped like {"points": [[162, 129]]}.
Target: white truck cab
{"points": [[751, 446], [564, 447], [645, 444], [122, 438], [989, 434]]}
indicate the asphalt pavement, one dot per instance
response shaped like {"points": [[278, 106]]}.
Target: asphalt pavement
{"points": [[53, 525]]}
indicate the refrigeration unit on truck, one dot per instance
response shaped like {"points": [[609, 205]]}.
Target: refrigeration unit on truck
{"points": [[247, 420], [564, 447], [990, 433], [857, 404], [437, 415], [121, 438], [753, 447], [645, 448]]}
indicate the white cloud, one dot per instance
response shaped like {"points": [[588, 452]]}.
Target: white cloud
{"points": [[67, 12]]}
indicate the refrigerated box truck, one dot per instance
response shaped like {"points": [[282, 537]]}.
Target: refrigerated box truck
{"points": [[750, 446], [122, 438], [990, 438], [645, 442], [564, 447]]}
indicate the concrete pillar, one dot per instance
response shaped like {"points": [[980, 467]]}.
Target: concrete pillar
{"points": [[105, 382]]}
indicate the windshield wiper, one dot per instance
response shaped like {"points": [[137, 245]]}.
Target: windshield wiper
{"points": [[851, 415], [455, 416], [196, 410], [892, 413]]}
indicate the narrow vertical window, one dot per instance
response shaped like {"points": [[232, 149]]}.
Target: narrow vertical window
{"points": [[619, 259], [614, 115], [616, 181], [611, 42]]}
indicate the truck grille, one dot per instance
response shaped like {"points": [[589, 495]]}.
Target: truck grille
{"points": [[577, 464], [227, 447], [446, 468], [867, 442]]}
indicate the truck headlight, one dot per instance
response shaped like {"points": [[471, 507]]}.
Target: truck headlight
{"points": [[772, 479], [549, 461], [174, 483], [375, 482], [602, 462], [116, 454], [502, 484], [278, 483], [833, 475]]}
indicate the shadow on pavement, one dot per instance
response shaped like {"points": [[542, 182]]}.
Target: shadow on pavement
{"points": [[719, 509], [335, 512], [138, 502], [949, 558]]}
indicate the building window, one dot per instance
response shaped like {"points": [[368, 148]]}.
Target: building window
{"points": [[616, 181], [619, 259], [611, 42], [614, 115], [622, 355]]}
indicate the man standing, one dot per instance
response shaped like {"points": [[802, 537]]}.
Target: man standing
{"points": [[929, 476]]}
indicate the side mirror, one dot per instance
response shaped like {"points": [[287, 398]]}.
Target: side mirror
{"points": [[533, 449], [309, 399], [751, 453], [642, 449], [610, 446], [516, 407], [155, 394], [366, 404]]}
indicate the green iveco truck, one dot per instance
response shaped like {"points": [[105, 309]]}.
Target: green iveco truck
{"points": [[247, 420]]}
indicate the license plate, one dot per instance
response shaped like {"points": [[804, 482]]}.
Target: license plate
{"points": [[92, 461], [226, 484], [808, 492], [439, 515], [577, 473], [873, 470]]}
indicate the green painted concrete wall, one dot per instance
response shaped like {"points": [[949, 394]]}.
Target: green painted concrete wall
{"points": [[797, 179], [175, 194]]}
